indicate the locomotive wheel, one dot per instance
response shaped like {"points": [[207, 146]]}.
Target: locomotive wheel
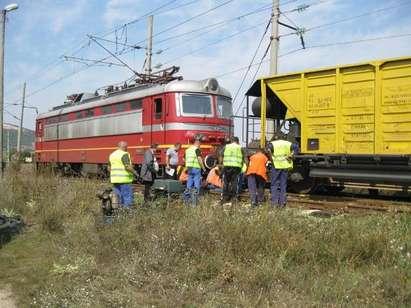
{"points": [[299, 182]]}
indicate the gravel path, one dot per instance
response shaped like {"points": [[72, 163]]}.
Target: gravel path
{"points": [[6, 298]]}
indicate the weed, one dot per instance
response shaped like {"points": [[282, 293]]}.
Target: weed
{"points": [[177, 256]]}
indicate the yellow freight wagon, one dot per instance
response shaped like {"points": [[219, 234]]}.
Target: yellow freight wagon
{"points": [[357, 117]]}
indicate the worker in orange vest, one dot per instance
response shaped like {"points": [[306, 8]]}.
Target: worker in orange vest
{"points": [[257, 177], [214, 181]]}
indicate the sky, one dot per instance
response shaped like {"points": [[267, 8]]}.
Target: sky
{"points": [[41, 32]]}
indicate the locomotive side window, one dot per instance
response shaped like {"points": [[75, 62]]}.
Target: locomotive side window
{"points": [[107, 109], [137, 104], [89, 113], [79, 115], [158, 108], [64, 118], [196, 105], [224, 107], [120, 107]]}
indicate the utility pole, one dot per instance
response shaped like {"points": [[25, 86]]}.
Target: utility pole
{"points": [[2, 31], [3, 12], [149, 51], [20, 133], [8, 146], [275, 42]]}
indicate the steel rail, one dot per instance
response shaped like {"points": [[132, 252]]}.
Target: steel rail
{"points": [[335, 204]]}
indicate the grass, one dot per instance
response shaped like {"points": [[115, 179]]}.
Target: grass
{"points": [[187, 257]]}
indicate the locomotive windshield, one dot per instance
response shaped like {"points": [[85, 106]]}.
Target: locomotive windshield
{"points": [[224, 108], [194, 104]]}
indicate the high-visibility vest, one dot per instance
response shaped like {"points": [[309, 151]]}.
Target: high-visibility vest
{"points": [[118, 172], [282, 150], [257, 165], [191, 158], [244, 168], [233, 157]]}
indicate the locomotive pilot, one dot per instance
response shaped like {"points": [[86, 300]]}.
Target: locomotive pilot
{"points": [[280, 154], [121, 175]]}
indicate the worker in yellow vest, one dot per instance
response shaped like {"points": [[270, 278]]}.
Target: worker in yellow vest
{"points": [[280, 154], [232, 159], [194, 164], [121, 175]]}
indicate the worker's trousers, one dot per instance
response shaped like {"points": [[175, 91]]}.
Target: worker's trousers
{"points": [[278, 187], [256, 185], [125, 194], [230, 176], [147, 190], [193, 186]]}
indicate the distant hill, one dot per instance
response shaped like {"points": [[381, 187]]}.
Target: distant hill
{"points": [[10, 132]]}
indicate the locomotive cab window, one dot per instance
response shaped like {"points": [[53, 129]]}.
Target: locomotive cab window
{"points": [[224, 107], [196, 105], [158, 108]]}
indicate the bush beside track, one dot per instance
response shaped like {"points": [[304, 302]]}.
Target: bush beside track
{"points": [[204, 257]]}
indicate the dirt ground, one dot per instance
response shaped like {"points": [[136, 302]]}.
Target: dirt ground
{"points": [[6, 298]]}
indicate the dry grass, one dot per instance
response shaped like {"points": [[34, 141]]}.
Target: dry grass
{"points": [[196, 257]]}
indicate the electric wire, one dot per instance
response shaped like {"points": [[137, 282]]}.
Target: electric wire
{"points": [[325, 25], [251, 62], [255, 74], [223, 39], [319, 46], [169, 29], [104, 59], [86, 43]]}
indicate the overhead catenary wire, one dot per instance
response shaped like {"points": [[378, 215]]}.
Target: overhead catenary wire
{"points": [[223, 39], [61, 59], [73, 73], [251, 63], [163, 31], [329, 24], [292, 51], [85, 43], [193, 17], [215, 25], [255, 74], [221, 23], [11, 114]]}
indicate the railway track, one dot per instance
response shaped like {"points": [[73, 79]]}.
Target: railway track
{"points": [[344, 204], [334, 204]]}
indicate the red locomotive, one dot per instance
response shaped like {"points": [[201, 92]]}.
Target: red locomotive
{"points": [[78, 137]]}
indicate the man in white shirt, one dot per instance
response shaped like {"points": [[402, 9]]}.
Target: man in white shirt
{"points": [[172, 161]]}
